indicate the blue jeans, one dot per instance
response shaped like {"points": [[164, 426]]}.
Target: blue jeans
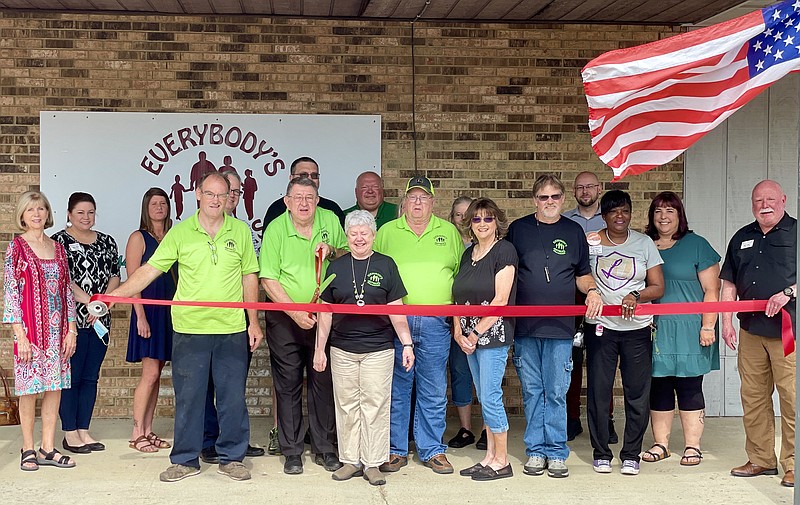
{"points": [[488, 367], [77, 403], [224, 357], [460, 377], [544, 367], [431, 337]]}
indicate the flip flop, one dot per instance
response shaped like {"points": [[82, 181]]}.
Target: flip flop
{"points": [[157, 441], [142, 443], [50, 459], [691, 459], [656, 456]]}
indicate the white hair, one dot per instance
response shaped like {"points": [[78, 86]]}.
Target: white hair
{"points": [[360, 218]]}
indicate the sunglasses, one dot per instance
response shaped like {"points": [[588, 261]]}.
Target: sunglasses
{"points": [[486, 219], [306, 175], [544, 198], [213, 248]]}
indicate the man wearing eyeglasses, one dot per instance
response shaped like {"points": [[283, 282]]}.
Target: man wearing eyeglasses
{"points": [[369, 197], [303, 168], [211, 419], [427, 251], [587, 191], [216, 263], [288, 274], [553, 261]]}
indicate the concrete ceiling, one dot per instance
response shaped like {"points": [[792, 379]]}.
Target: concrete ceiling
{"points": [[670, 12]]}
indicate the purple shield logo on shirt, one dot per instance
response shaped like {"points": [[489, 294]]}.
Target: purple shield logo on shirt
{"points": [[615, 271]]}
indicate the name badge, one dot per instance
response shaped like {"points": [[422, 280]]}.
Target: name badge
{"points": [[595, 250], [77, 247], [746, 244]]}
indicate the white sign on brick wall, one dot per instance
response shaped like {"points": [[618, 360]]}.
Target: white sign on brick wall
{"points": [[117, 156]]}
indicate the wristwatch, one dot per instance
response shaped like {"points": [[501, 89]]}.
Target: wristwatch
{"points": [[635, 294], [788, 292]]}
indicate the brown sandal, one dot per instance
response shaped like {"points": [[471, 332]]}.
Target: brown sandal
{"points": [[691, 459], [656, 456], [157, 441], [142, 444]]}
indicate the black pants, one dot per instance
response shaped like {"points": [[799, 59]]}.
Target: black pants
{"points": [[634, 349], [291, 350]]}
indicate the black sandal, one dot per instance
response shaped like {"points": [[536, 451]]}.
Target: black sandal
{"points": [[28, 461], [691, 459], [655, 456], [49, 459]]}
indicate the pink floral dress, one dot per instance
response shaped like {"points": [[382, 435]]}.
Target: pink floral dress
{"points": [[37, 295]]}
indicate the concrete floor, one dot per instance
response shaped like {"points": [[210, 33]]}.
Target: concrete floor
{"points": [[122, 475]]}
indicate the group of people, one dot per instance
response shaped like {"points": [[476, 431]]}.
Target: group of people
{"points": [[375, 382]]}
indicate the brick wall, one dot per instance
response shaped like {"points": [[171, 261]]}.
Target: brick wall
{"points": [[496, 105]]}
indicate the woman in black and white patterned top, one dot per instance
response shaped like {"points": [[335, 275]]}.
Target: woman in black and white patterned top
{"points": [[94, 268]]}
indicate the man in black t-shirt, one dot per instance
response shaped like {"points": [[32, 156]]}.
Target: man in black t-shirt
{"points": [[302, 168], [761, 264], [553, 260]]}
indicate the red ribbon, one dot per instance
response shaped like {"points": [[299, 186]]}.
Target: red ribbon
{"points": [[647, 309]]}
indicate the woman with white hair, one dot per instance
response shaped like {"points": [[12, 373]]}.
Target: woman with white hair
{"points": [[362, 349]]}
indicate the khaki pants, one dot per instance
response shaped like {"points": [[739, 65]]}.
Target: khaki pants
{"points": [[362, 392], [762, 367]]}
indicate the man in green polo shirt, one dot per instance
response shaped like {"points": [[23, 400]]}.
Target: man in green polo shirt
{"points": [[369, 197], [288, 275], [216, 263], [427, 251]]}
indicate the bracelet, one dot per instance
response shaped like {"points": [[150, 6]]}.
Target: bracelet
{"points": [[475, 332], [411, 345], [707, 329], [592, 289], [72, 332]]}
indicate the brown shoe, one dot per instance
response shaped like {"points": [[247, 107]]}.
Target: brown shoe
{"points": [[788, 479], [395, 463], [439, 464], [752, 470]]}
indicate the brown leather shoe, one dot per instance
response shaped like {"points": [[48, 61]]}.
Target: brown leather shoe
{"points": [[395, 463], [788, 479], [752, 470], [439, 464]]}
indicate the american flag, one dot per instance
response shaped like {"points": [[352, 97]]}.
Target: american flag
{"points": [[649, 103]]}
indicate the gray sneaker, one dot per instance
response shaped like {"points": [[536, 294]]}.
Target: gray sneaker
{"points": [[235, 470], [177, 472], [535, 465], [557, 468]]}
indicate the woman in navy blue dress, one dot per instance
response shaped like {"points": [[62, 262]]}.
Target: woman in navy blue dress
{"points": [[150, 336]]}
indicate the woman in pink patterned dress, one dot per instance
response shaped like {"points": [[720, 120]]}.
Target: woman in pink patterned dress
{"points": [[40, 308]]}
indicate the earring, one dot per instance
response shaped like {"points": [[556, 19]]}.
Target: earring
{"points": [[69, 224]]}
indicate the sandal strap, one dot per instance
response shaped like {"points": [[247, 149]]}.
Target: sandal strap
{"points": [[48, 455], [63, 460], [29, 455], [663, 449], [695, 449]]}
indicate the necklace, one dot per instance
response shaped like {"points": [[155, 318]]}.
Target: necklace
{"points": [[626, 238], [482, 254], [359, 296]]}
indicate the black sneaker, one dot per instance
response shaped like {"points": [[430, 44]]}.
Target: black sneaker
{"points": [[574, 429], [463, 438], [293, 465], [254, 452], [481, 443], [328, 461], [209, 455], [613, 438]]}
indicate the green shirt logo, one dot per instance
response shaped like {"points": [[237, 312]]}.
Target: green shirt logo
{"points": [[324, 235], [440, 240], [374, 279], [230, 245], [559, 247]]}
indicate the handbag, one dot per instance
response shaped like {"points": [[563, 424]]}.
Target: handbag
{"points": [[9, 405]]}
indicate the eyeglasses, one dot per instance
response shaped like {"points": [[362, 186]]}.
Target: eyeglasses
{"points": [[306, 175], [301, 198], [588, 187], [236, 192], [212, 196], [213, 252], [420, 198], [485, 219], [544, 198]]}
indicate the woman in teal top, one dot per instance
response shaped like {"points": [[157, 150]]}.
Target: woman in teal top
{"points": [[684, 348]]}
